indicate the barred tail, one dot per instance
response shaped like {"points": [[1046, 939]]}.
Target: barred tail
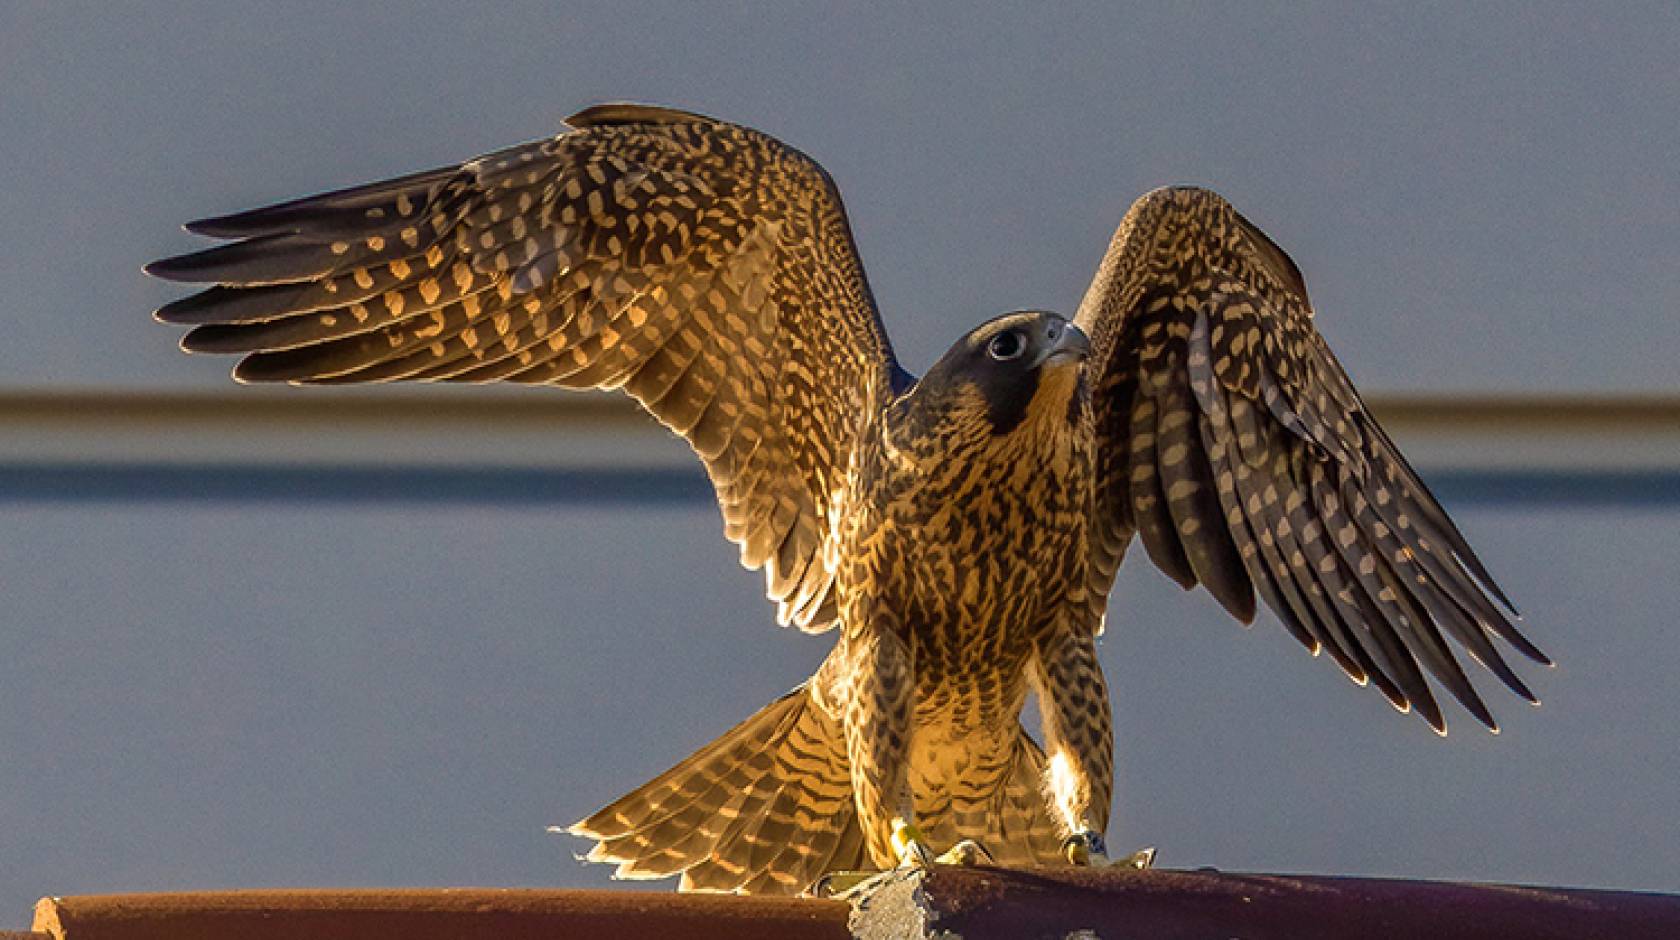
{"points": [[1024, 831], [766, 808], [1008, 814]]}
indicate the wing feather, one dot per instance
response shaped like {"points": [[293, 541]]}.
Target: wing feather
{"points": [[706, 268], [1374, 627], [1257, 501], [1149, 498], [1192, 501], [1233, 442]]}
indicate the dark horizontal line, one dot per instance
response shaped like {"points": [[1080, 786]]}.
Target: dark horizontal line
{"points": [[258, 407], [253, 483], [1588, 488]]}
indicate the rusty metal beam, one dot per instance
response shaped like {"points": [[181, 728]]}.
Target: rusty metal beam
{"points": [[988, 903], [966, 903], [444, 914]]}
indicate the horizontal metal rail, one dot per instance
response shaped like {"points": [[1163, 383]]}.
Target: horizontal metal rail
{"points": [[975, 903], [424, 913], [524, 445]]}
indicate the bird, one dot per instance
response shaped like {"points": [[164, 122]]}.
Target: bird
{"points": [[958, 533]]}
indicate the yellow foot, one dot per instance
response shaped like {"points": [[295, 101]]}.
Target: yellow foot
{"points": [[1087, 848], [967, 852], [910, 846], [913, 854]]}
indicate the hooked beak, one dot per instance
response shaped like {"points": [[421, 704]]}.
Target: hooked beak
{"points": [[1067, 343]]}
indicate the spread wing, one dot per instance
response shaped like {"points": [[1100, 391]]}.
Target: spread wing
{"points": [[1231, 440], [705, 268]]}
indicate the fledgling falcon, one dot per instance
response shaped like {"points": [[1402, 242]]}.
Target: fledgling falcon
{"points": [[959, 533]]}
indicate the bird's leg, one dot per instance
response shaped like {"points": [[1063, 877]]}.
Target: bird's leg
{"points": [[879, 691], [876, 683], [877, 718], [1073, 698]]}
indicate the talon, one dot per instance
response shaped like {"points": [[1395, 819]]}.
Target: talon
{"points": [[967, 852], [842, 884], [1142, 859], [1085, 848], [910, 846]]}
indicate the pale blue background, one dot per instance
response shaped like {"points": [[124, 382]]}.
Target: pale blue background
{"points": [[205, 693], [1490, 188]]}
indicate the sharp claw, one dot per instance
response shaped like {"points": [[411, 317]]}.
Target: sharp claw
{"points": [[913, 854], [1142, 859], [843, 884], [1087, 849], [967, 852]]}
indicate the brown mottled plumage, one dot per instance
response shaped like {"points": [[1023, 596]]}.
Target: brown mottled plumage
{"points": [[961, 531]]}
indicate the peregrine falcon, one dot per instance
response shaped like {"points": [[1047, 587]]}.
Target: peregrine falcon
{"points": [[958, 533]]}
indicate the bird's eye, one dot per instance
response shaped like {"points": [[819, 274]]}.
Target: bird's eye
{"points": [[1009, 344]]}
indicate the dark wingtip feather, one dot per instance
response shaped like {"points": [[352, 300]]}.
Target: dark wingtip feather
{"points": [[278, 219], [1483, 576], [1430, 712], [262, 259], [1497, 665], [1509, 633], [1180, 576], [1520, 688], [328, 210], [218, 338], [179, 268], [189, 309], [1231, 589], [284, 366], [1241, 607], [222, 226], [1526, 647], [1479, 710], [1390, 692]]}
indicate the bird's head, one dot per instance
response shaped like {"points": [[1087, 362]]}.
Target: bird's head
{"points": [[1016, 371]]}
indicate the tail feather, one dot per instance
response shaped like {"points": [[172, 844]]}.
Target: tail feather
{"points": [[1025, 833], [667, 846], [765, 808], [805, 862], [778, 847], [672, 848], [801, 808], [687, 782], [1010, 816], [713, 789], [851, 850], [739, 856]]}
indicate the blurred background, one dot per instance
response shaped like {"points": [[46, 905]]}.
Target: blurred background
{"points": [[276, 637]]}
